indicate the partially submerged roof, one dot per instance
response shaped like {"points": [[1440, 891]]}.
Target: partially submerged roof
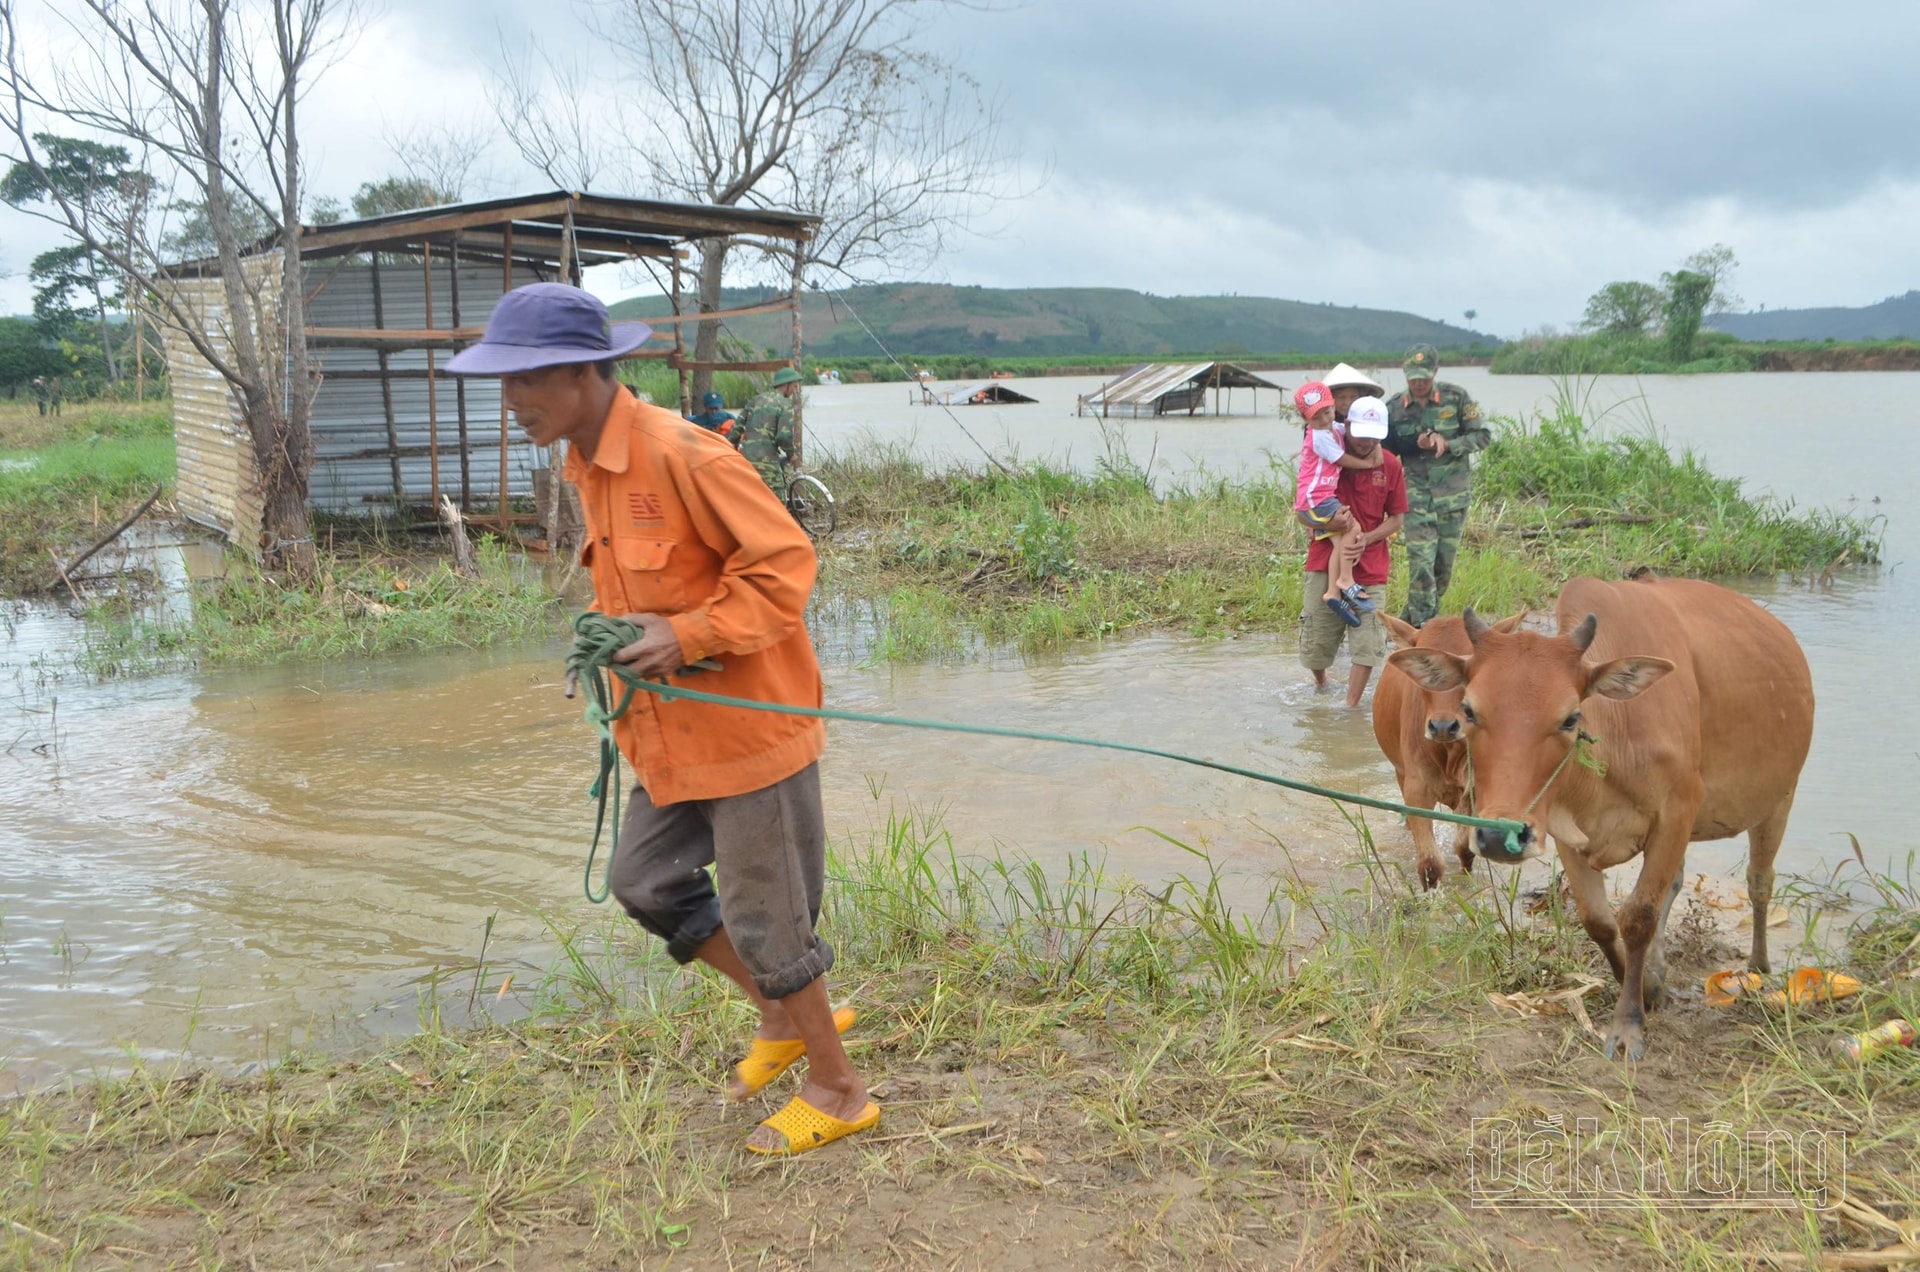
{"points": [[1146, 385], [605, 229], [990, 392]]}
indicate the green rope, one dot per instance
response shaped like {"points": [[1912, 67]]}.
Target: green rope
{"points": [[598, 637]]}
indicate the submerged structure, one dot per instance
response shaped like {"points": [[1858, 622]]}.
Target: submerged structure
{"points": [[389, 298], [987, 393], [1168, 388]]}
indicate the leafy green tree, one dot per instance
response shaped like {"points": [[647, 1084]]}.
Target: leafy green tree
{"points": [[66, 279], [1624, 308], [398, 194], [1717, 263], [326, 210], [100, 191], [24, 353], [1688, 294], [192, 237]]}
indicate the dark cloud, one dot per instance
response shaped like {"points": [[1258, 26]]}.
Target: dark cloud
{"points": [[1504, 157], [1650, 103]]}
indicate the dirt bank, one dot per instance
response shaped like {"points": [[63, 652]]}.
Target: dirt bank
{"points": [[1896, 358]]}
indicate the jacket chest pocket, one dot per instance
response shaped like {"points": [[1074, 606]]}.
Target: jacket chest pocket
{"points": [[647, 570]]}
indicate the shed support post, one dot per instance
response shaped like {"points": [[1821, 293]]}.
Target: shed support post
{"points": [[433, 397], [460, 384], [680, 343], [386, 390], [799, 415], [506, 285]]}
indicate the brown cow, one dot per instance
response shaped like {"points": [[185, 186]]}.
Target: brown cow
{"points": [[1419, 732], [1697, 706]]}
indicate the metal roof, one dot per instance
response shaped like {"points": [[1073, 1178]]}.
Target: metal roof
{"points": [[1145, 385], [605, 228], [987, 391]]}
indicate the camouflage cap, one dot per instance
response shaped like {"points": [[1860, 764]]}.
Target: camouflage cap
{"points": [[1423, 362]]}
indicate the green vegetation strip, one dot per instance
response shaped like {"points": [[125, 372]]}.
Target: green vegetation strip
{"points": [[932, 564]]}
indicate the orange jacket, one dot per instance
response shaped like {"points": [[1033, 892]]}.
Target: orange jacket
{"points": [[679, 524]]}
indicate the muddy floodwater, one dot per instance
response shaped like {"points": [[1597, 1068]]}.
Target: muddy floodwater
{"points": [[232, 863]]}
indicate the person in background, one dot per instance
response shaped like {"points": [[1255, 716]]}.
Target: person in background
{"points": [[1435, 427], [685, 543], [714, 418], [1348, 383], [1376, 501], [765, 430], [1323, 454], [40, 393]]}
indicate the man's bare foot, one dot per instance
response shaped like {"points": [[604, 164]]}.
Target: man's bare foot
{"points": [[843, 1102]]}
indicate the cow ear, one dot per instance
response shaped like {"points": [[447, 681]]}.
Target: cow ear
{"points": [[1405, 634], [1431, 668], [1625, 678], [1511, 623]]}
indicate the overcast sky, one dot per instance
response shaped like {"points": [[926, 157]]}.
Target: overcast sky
{"points": [[1507, 158]]}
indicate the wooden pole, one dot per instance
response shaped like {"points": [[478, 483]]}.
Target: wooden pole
{"points": [[506, 285], [793, 295], [460, 385], [680, 344], [433, 397], [386, 390]]}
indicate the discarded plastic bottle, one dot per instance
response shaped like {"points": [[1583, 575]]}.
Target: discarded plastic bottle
{"points": [[1895, 1033]]}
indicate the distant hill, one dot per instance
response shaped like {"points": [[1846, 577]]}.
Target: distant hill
{"points": [[1892, 319], [929, 319]]}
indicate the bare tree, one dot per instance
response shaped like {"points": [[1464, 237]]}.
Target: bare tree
{"points": [[443, 157], [211, 89], [822, 106], [1717, 263]]}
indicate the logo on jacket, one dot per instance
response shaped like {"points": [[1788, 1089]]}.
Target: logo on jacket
{"points": [[646, 508]]}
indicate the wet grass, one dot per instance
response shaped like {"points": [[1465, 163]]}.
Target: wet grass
{"points": [[1077, 1070], [66, 479], [939, 562], [374, 598]]}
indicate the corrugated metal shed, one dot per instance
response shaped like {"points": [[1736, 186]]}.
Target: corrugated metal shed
{"points": [[1160, 388], [353, 464], [989, 392], [378, 317], [216, 484]]}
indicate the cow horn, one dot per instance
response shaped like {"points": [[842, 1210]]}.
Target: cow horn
{"points": [[1583, 635], [1476, 626]]}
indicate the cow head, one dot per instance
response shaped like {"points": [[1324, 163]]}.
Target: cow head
{"points": [[1520, 695], [1448, 635]]}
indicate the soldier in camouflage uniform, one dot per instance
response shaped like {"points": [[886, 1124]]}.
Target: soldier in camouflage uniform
{"points": [[766, 430], [1433, 427]]}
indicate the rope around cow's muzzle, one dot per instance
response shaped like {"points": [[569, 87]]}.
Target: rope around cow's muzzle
{"points": [[598, 637]]}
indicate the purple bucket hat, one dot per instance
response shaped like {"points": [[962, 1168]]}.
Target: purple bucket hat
{"points": [[547, 325]]}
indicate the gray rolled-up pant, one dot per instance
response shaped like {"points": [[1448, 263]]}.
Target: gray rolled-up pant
{"points": [[769, 850]]}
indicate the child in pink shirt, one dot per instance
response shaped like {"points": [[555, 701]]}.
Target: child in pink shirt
{"points": [[1323, 454]]}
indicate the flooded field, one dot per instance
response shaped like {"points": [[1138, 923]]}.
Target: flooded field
{"points": [[234, 862]]}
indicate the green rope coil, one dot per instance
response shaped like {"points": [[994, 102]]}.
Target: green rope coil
{"points": [[598, 637]]}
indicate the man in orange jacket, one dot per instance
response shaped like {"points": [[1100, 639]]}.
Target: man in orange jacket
{"points": [[686, 541]]}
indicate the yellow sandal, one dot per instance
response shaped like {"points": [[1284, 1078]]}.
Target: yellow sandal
{"points": [[807, 1128], [768, 1058]]}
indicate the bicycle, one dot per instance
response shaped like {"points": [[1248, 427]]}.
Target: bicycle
{"points": [[811, 504]]}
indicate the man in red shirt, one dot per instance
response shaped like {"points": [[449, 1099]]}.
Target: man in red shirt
{"points": [[1376, 498]]}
